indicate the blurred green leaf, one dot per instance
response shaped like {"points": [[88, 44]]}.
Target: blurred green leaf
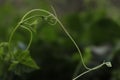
{"points": [[1, 53], [87, 55], [23, 62], [25, 59]]}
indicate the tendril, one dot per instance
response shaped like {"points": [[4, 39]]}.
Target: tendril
{"points": [[31, 36]]}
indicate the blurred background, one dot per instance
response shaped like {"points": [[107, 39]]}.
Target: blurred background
{"points": [[94, 24]]}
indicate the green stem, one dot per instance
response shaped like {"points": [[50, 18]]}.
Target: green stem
{"points": [[31, 36], [10, 39], [33, 17], [92, 69], [73, 43]]}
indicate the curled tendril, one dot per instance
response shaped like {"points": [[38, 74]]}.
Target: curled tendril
{"points": [[50, 20]]}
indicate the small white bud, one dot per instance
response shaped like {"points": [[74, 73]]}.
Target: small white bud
{"points": [[108, 64]]}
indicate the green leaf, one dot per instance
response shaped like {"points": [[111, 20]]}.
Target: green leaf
{"points": [[3, 44], [13, 65], [22, 63], [87, 55], [1, 61], [25, 59], [35, 22], [33, 26]]}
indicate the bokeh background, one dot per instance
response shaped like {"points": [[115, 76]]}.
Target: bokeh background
{"points": [[94, 24]]}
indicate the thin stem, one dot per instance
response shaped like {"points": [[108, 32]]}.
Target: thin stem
{"points": [[77, 70], [41, 10], [73, 43], [32, 17], [92, 69], [31, 36], [54, 11], [10, 39]]}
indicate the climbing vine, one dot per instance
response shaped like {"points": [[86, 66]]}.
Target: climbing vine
{"points": [[15, 61]]}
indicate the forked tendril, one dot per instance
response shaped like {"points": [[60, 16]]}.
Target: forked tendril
{"points": [[61, 25]]}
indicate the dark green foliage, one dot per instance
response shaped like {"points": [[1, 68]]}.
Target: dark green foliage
{"points": [[104, 31]]}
